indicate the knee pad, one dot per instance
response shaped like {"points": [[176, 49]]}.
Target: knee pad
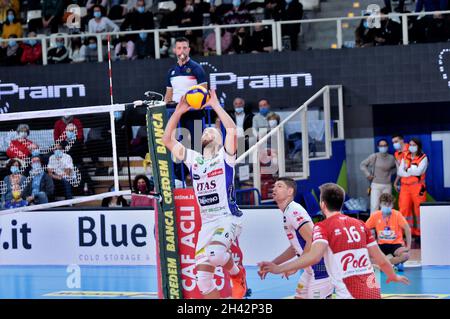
{"points": [[205, 282], [218, 255]]}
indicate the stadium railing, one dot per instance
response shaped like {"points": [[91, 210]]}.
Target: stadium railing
{"points": [[276, 28]]}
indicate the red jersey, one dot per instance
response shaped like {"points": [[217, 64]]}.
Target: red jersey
{"points": [[347, 258]]}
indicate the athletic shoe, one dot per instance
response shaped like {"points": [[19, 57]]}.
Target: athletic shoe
{"points": [[239, 284], [400, 267]]}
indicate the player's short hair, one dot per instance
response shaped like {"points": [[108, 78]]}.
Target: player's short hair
{"points": [[182, 39], [386, 198], [290, 183], [333, 196]]}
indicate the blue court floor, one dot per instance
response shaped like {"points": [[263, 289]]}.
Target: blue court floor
{"points": [[32, 282]]}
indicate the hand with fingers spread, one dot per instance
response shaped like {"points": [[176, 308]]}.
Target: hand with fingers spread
{"points": [[402, 279], [267, 266], [288, 274], [213, 100]]}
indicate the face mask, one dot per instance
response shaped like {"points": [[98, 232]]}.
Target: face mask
{"points": [[386, 210], [273, 123], [239, 110], [263, 111], [58, 153], [16, 195], [397, 146], [35, 152], [142, 188], [32, 42], [92, 46], [70, 135], [366, 24], [383, 149], [36, 166], [10, 18], [59, 45], [23, 134], [117, 115], [97, 14], [12, 43], [141, 9], [413, 149], [236, 3], [143, 36], [14, 170]]}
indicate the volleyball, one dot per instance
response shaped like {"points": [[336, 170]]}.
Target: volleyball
{"points": [[197, 96]]}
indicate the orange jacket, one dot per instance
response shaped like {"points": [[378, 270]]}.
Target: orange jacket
{"points": [[408, 163], [399, 154]]}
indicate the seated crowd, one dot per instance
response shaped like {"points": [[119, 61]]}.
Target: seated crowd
{"points": [[134, 15]]}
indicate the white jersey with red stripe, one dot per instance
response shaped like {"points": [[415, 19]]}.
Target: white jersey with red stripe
{"points": [[295, 217], [347, 257]]}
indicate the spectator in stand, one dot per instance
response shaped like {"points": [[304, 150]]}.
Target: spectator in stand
{"points": [[11, 55], [12, 25], [390, 32], [40, 188], [125, 49], [291, 10], [21, 147], [243, 117], [145, 46], [32, 50], [59, 53], [141, 186], [272, 9], [77, 51], [131, 4], [237, 14], [115, 201], [90, 4], [241, 41], [226, 39], [139, 145], [52, 12], [188, 15], [100, 23], [364, 35], [91, 54], [138, 18], [15, 180], [260, 122], [261, 39], [5, 5], [60, 168], [59, 130], [16, 200]]}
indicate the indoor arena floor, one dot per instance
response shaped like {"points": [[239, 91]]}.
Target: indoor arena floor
{"points": [[37, 282]]}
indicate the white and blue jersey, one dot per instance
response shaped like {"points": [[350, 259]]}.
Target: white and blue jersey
{"points": [[181, 78], [295, 217], [213, 181]]}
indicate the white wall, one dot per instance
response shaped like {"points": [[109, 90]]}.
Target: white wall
{"points": [[435, 234]]}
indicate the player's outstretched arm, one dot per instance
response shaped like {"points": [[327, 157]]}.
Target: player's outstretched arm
{"points": [[169, 140], [383, 262], [307, 259], [228, 123], [286, 255]]}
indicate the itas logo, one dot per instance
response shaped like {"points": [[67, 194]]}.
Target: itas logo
{"points": [[91, 231], [215, 172], [11, 238], [206, 186], [207, 200]]}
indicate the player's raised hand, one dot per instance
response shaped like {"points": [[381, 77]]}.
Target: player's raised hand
{"points": [[213, 100], [262, 274], [402, 279], [182, 106]]}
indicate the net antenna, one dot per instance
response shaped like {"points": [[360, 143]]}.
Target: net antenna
{"points": [[154, 99]]}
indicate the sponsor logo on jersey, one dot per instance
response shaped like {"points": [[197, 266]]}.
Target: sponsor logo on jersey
{"points": [[196, 177], [215, 172], [295, 213], [199, 160], [290, 236], [206, 186], [337, 232], [208, 199], [300, 219], [218, 231], [188, 70], [214, 163], [355, 262]]}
